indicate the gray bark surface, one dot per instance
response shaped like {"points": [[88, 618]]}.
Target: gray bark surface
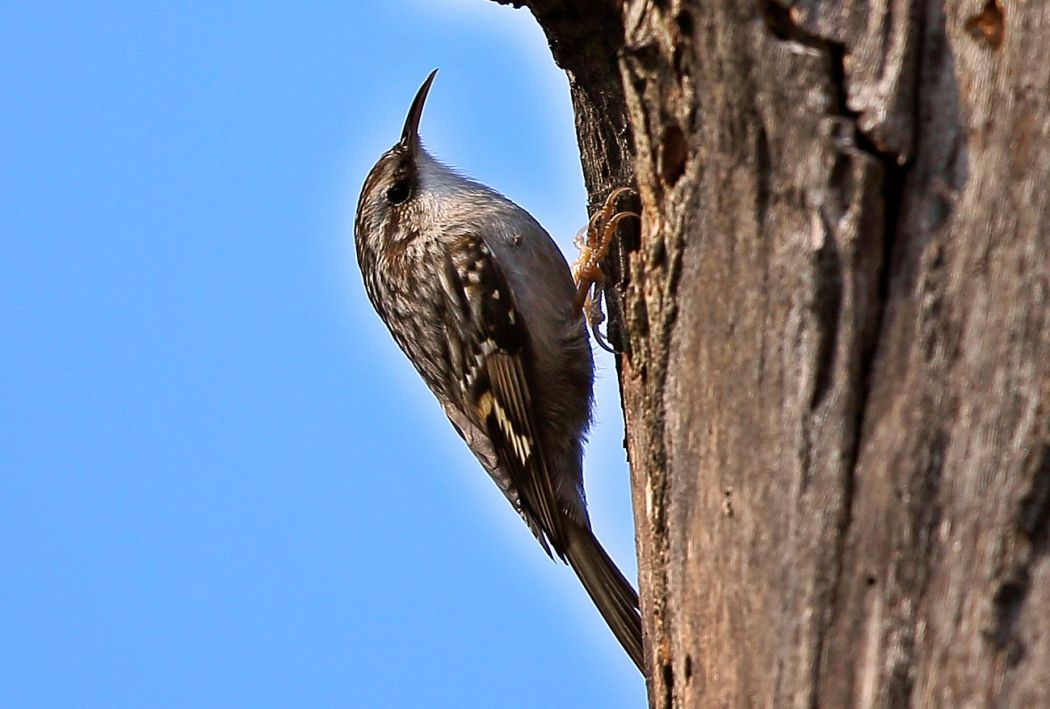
{"points": [[835, 336]]}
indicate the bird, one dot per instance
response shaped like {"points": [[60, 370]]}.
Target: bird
{"points": [[481, 300]]}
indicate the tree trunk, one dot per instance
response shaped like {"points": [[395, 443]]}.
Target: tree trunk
{"points": [[835, 337]]}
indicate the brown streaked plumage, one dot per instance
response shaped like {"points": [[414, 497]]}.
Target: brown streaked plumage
{"points": [[480, 299]]}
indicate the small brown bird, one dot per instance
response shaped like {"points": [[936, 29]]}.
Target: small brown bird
{"points": [[482, 302]]}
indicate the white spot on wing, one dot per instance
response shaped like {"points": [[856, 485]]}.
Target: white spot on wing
{"points": [[520, 443]]}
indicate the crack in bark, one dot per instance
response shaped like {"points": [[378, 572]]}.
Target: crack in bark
{"points": [[828, 306], [828, 299]]}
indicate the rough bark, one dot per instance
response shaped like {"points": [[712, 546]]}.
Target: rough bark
{"points": [[835, 335]]}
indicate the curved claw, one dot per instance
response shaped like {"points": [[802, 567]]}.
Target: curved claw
{"points": [[593, 242], [600, 338], [595, 317]]}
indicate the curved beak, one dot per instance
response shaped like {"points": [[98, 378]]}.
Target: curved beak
{"points": [[410, 133]]}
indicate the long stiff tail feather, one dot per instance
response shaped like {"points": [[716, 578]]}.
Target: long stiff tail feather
{"points": [[614, 596]]}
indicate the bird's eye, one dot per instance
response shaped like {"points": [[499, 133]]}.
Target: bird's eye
{"points": [[398, 192]]}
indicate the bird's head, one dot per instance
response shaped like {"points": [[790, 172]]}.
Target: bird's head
{"points": [[389, 207]]}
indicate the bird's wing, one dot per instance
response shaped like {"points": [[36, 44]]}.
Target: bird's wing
{"points": [[489, 350]]}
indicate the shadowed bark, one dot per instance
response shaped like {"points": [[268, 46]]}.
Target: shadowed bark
{"points": [[835, 335]]}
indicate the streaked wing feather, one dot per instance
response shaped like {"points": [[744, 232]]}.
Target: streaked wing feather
{"points": [[493, 378], [513, 433]]}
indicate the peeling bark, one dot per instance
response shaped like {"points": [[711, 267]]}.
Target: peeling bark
{"points": [[835, 337]]}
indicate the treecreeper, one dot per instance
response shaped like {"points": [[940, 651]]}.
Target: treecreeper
{"points": [[481, 300]]}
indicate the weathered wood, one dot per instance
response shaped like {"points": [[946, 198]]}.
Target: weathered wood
{"points": [[836, 335]]}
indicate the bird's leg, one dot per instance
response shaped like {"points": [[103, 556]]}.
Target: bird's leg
{"points": [[593, 243]]}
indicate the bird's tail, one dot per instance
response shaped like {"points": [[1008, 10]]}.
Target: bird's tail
{"points": [[615, 598]]}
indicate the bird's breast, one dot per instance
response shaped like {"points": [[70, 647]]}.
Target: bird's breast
{"points": [[404, 286]]}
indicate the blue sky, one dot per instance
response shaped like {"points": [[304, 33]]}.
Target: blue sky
{"points": [[222, 483]]}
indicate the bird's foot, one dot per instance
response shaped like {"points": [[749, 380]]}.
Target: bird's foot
{"points": [[593, 242]]}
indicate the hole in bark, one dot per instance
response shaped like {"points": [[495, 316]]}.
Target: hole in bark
{"points": [[988, 27], [1009, 594], [870, 580], [668, 675], [688, 669], [1009, 600], [660, 255], [1008, 603], [674, 151], [685, 23]]}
